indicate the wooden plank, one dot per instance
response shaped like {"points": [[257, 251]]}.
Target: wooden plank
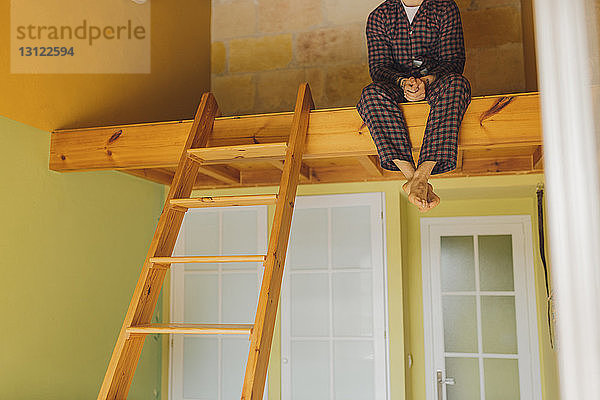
{"points": [[356, 173], [126, 353], [269, 177], [499, 152], [266, 313], [221, 173], [192, 329], [206, 259], [228, 154], [158, 175], [305, 173], [371, 165], [538, 158], [225, 201], [332, 133], [495, 165]]}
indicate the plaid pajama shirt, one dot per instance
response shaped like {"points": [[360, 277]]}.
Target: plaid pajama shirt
{"points": [[432, 44]]}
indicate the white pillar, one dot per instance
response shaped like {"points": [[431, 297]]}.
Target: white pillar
{"points": [[572, 182]]}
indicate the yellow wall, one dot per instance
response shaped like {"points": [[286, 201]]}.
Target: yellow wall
{"points": [[510, 195], [500, 195], [71, 248], [180, 72]]}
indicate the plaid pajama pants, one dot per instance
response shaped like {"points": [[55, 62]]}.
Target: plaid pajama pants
{"points": [[448, 96]]}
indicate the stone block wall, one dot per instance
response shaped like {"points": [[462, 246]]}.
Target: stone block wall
{"points": [[263, 49]]}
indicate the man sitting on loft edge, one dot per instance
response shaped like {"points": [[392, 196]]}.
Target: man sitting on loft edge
{"points": [[416, 52]]}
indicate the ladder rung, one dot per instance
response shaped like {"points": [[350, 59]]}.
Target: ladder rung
{"points": [[227, 154], [192, 329], [227, 201], [206, 259]]}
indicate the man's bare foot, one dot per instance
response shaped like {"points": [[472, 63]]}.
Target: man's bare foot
{"points": [[417, 190], [432, 199]]}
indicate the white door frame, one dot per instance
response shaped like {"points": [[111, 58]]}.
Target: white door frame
{"points": [[519, 227], [377, 202]]}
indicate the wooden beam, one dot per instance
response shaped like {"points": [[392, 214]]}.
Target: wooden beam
{"points": [[224, 201], [305, 172], [158, 175], [221, 173], [501, 165], [538, 158], [205, 259], [332, 133], [192, 329], [226, 174], [371, 165], [495, 165], [247, 152]]}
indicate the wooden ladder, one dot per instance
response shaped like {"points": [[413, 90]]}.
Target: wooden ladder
{"points": [[139, 314]]}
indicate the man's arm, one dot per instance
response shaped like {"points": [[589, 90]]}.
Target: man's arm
{"points": [[452, 43], [381, 64]]}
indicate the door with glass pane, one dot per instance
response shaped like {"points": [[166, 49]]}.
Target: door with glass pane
{"points": [[334, 301], [479, 309], [212, 367]]}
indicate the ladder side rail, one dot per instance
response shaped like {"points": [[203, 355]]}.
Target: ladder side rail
{"points": [[128, 348], [266, 313]]}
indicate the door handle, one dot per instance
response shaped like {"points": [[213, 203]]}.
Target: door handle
{"points": [[441, 382], [440, 385]]}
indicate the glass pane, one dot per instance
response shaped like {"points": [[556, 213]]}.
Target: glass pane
{"points": [[460, 324], [351, 237], [496, 262], [501, 379], [308, 242], [239, 297], [200, 361], [200, 298], [352, 304], [201, 237], [499, 324], [457, 261], [310, 370], [309, 304], [354, 370], [246, 266], [240, 236], [465, 372], [235, 355]]}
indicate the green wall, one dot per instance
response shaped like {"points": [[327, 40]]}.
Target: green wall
{"points": [[71, 248]]}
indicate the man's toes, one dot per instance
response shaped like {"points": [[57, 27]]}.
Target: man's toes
{"points": [[413, 199], [406, 187], [433, 203], [417, 201]]}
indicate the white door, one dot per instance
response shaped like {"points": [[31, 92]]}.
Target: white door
{"points": [[212, 367], [479, 309], [334, 301]]}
